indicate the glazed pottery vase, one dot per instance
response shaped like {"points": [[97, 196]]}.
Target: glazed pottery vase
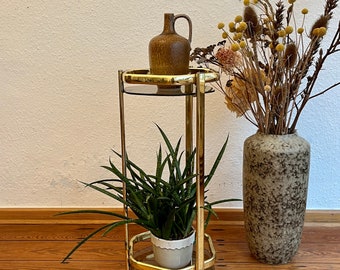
{"points": [[173, 254], [275, 182], [169, 52]]}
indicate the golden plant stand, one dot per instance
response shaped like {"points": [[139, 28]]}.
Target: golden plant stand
{"points": [[142, 258], [173, 85]]}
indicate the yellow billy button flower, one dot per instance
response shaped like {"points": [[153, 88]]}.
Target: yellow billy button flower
{"points": [[280, 47], [319, 32], [281, 33], [232, 27], [322, 31], [220, 25], [289, 29], [237, 36], [315, 31], [224, 35], [291, 1], [242, 26], [235, 47], [243, 44], [238, 19], [304, 11], [300, 30], [246, 2]]}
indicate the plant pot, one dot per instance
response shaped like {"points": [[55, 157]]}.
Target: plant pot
{"points": [[275, 182], [173, 254]]}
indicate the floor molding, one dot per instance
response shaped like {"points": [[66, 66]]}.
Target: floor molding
{"points": [[49, 216]]}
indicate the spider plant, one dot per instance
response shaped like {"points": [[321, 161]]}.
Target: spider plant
{"points": [[165, 207]]}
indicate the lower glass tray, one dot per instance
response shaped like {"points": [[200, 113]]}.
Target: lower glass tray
{"points": [[155, 90], [141, 255]]}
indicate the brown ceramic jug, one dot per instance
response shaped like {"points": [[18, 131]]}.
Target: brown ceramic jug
{"points": [[169, 52]]}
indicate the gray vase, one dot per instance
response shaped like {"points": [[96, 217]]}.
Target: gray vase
{"points": [[275, 182]]}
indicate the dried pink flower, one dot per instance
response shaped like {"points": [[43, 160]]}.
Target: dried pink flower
{"points": [[228, 59]]}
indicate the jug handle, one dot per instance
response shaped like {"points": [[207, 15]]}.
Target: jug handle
{"points": [[189, 23]]}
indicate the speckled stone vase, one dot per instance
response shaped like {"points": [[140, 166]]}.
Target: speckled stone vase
{"points": [[275, 182]]}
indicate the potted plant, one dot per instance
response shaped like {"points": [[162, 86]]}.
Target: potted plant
{"points": [[269, 66], [164, 203]]}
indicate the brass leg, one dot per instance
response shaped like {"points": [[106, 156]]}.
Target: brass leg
{"points": [[123, 151], [188, 121], [200, 85]]}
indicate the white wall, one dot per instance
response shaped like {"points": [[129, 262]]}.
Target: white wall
{"points": [[59, 101]]}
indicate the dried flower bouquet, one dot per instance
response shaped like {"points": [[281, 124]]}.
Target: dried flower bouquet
{"points": [[270, 63]]}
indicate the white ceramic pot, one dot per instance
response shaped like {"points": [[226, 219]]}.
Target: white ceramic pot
{"points": [[173, 254]]}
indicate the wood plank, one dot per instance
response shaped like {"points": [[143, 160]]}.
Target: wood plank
{"points": [[61, 232], [290, 266], [55, 265], [57, 250], [48, 215], [69, 232], [311, 234], [311, 253], [113, 265], [113, 250]]}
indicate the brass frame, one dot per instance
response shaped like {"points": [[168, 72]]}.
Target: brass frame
{"points": [[197, 77], [143, 76], [137, 265]]}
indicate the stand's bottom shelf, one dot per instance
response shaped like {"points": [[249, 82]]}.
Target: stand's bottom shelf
{"points": [[141, 254]]}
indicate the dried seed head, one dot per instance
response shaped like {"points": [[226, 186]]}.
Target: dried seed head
{"points": [[243, 26], [319, 32], [289, 29], [235, 47], [232, 27], [220, 25], [280, 47], [321, 22], [238, 19], [281, 33], [243, 44], [304, 11], [250, 17], [290, 55]]}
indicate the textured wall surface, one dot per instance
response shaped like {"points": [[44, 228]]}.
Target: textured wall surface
{"points": [[59, 101]]}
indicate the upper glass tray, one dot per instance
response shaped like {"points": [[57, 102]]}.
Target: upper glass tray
{"points": [[143, 76], [144, 83]]}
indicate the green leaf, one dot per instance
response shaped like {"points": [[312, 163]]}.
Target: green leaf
{"points": [[83, 241], [217, 161]]}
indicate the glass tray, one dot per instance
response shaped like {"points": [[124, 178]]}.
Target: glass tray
{"points": [[143, 76], [155, 90], [141, 255]]}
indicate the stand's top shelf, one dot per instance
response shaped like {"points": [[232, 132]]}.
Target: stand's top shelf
{"points": [[143, 76], [143, 83]]}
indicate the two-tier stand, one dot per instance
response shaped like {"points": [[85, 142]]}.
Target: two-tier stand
{"points": [[141, 82]]}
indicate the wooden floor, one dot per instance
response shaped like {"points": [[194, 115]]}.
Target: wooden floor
{"points": [[29, 246]]}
